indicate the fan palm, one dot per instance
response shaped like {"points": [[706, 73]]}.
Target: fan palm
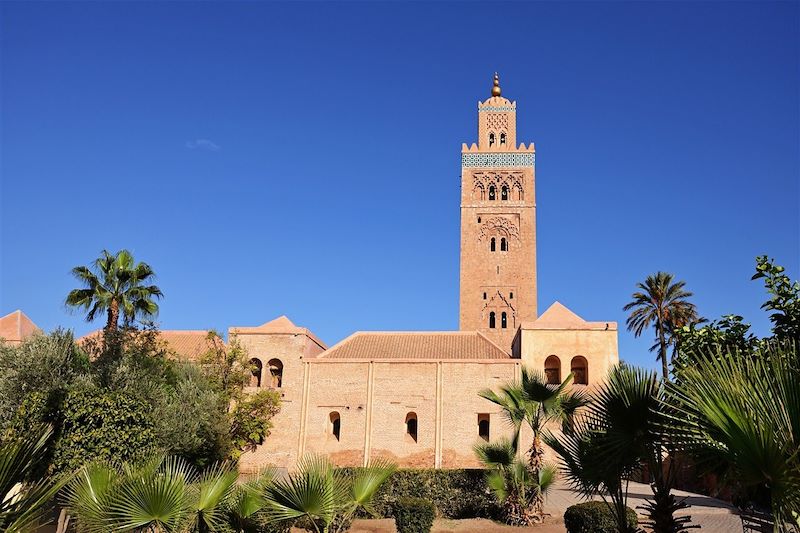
{"points": [[662, 302], [160, 496], [23, 502], [323, 498], [743, 414], [117, 286], [247, 500], [512, 481], [534, 403]]}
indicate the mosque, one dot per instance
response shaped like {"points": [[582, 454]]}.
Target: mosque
{"points": [[411, 396]]}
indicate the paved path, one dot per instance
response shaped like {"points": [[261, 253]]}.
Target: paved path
{"points": [[713, 516], [710, 514]]}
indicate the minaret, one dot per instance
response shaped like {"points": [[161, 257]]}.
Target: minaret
{"points": [[498, 225]]}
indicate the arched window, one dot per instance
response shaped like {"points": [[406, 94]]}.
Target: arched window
{"points": [[518, 191], [491, 320], [411, 426], [255, 372], [502, 139], [276, 373], [510, 295], [492, 244], [504, 193], [503, 244], [483, 426], [552, 370], [580, 369], [503, 320], [484, 295], [335, 426], [491, 139], [491, 193]]}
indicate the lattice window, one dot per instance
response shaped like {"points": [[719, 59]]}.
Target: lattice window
{"points": [[497, 121]]}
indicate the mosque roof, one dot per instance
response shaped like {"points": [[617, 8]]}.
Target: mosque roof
{"points": [[16, 326], [186, 344], [279, 326], [432, 345], [558, 316]]}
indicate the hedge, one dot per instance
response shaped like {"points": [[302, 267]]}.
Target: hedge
{"points": [[456, 494], [594, 517], [413, 515]]}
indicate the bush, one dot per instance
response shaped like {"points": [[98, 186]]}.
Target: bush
{"points": [[593, 517], [454, 493], [413, 515], [100, 425]]}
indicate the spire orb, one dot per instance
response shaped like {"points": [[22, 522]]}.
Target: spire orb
{"points": [[496, 87]]}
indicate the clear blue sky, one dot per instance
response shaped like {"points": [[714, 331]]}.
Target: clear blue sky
{"points": [[303, 158]]}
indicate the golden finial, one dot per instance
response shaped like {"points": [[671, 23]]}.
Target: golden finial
{"points": [[496, 88]]}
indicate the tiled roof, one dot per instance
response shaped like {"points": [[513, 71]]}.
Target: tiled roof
{"points": [[16, 326], [415, 345], [189, 344], [185, 344], [558, 316]]}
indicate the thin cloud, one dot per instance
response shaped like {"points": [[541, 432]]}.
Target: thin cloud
{"points": [[203, 144]]}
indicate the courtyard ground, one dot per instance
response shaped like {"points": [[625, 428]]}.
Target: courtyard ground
{"points": [[711, 515]]}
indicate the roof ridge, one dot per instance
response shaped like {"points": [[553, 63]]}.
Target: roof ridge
{"points": [[490, 341]]}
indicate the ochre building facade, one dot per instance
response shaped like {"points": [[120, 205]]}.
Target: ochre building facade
{"points": [[412, 397]]}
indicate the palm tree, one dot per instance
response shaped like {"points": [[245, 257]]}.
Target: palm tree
{"points": [[531, 401], [322, 498], [602, 451], [512, 481], [664, 304], [116, 286], [743, 414], [24, 503]]}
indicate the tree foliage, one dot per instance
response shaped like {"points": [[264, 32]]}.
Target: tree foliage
{"points": [[109, 426], [784, 301], [741, 416]]}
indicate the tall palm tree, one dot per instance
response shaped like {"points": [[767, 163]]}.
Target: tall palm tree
{"points": [[25, 502], [534, 403], [664, 303], [117, 286]]}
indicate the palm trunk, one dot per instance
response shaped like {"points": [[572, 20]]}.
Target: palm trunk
{"points": [[113, 316], [662, 341], [535, 464]]}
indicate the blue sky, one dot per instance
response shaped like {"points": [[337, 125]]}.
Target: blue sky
{"points": [[303, 158]]}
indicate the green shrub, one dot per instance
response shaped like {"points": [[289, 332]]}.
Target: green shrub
{"points": [[454, 493], [593, 517], [413, 515], [106, 426]]}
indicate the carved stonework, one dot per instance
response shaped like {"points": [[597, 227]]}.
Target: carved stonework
{"points": [[512, 181], [495, 225]]}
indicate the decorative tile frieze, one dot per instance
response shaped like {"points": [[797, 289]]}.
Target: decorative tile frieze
{"points": [[496, 109], [499, 159]]}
